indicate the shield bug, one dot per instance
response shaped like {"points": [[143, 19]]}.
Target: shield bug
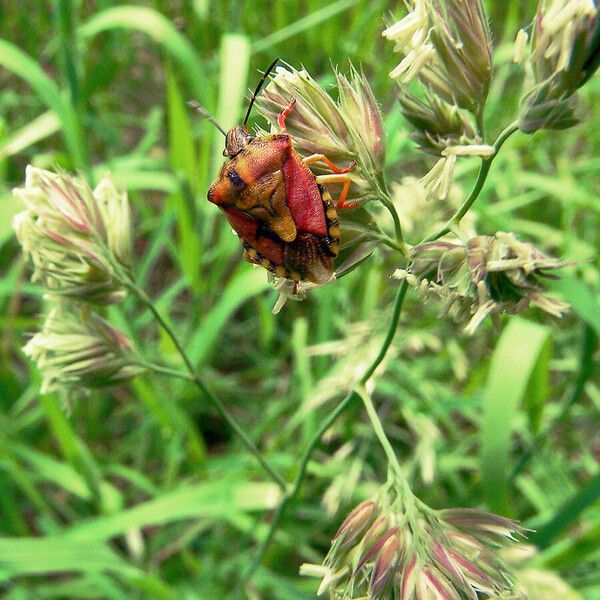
{"points": [[282, 212]]}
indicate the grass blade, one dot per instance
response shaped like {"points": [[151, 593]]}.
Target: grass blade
{"points": [[183, 162], [160, 29], [568, 513], [40, 128], [234, 58], [33, 556], [581, 298], [247, 283], [214, 499], [307, 22], [523, 352], [23, 66]]}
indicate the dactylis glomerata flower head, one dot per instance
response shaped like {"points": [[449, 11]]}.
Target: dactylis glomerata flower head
{"points": [[79, 240], [76, 348], [483, 276], [565, 53], [446, 47], [387, 548]]}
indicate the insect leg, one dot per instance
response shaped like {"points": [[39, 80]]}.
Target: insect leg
{"points": [[314, 158], [339, 178], [281, 118]]}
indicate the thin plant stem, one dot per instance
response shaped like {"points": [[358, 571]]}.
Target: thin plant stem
{"points": [[392, 244], [484, 170], [159, 369], [383, 239], [480, 123], [279, 513], [386, 200], [209, 397], [391, 332], [325, 425], [380, 433]]}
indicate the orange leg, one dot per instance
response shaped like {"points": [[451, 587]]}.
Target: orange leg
{"points": [[281, 118], [339, 178], [314, 158], [342, 199]]}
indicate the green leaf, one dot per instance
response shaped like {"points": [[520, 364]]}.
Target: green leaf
{"points": [[38, 129], [247, 283], [183, 161], [160, 29], [568, 513], [581, 298], [572, 551], [9, 207], [181, 143], [517, 376], [22, 65], [36, 556], [234, 59], [141, 180], [310, 21], [49, 469], [214, 499]]}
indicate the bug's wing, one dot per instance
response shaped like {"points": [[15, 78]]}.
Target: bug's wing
{"points": [[310, 255], [303, 196]]}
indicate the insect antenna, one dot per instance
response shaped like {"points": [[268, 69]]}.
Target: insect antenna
{"points": [[258, 88], [202, 111]]}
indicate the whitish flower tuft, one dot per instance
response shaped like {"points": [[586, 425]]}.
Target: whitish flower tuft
{"points": [[347, 130], [290, 290], [390, 548], [438, 180], [445, 46], [520, 46], [486, 275], [76, 348], [77, 238], [565, 53]]}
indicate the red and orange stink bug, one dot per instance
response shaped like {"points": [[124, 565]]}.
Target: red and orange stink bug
{"points": [[281, 211]]}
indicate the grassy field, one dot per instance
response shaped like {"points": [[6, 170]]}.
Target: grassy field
{"points": [[142, 490]]}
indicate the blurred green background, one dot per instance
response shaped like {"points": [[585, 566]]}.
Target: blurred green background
{"points": [[141, 491]]}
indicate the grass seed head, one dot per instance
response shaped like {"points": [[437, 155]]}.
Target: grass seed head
{"points": [[565, 53], [76, 348], [77, 239], [387, 548], [483, 276], [446, 47]]}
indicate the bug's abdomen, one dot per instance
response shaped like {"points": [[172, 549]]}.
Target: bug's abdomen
{"points": [[249, 230]]}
